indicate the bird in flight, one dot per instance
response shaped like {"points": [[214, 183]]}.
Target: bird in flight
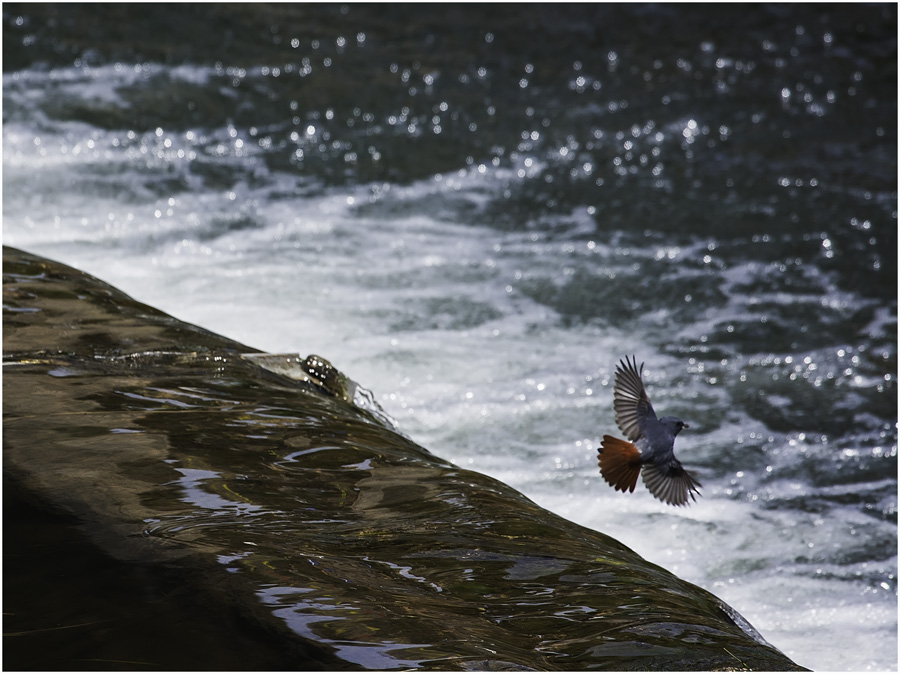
{"points": [[650, 446]]}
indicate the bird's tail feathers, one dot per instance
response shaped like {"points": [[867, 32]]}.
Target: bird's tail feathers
{"points": [[620, 463]]}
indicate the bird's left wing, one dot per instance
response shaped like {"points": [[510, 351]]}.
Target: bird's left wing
{"points": [[630, 400]]}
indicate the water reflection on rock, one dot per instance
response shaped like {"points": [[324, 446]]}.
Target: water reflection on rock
{"points": [[312, 515]]}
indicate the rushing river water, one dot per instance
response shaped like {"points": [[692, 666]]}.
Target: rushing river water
{"points": [[476, 211]]}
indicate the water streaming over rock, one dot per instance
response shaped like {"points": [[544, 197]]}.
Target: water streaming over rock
{"points": [[475, 211]]}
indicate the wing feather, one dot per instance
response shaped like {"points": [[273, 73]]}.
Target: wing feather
{"points": [[630, 400], [670, 483]]}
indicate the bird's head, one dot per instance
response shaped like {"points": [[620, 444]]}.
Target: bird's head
{"points": [[673, 425]]}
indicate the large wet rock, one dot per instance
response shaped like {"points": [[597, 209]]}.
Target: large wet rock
{"points": [[173, 502]]}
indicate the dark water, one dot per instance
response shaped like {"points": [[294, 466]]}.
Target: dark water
{"points": [[477, 210]]}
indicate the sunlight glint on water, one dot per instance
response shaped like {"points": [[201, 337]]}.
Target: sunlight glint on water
{"points": [[486, 305]]}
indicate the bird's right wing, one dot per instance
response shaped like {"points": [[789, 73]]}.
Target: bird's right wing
{"points": [[670, 483], [630, 400]]}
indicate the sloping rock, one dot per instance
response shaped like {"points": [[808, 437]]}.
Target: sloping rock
{"points": [[174, 503]]}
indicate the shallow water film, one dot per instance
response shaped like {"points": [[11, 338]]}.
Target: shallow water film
{"points": [[476, 211], [285, 508]]}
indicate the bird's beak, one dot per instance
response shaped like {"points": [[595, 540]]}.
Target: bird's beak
{"points": [[685, 426]]}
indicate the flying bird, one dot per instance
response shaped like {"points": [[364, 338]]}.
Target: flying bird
{"points": [[650, 446]]}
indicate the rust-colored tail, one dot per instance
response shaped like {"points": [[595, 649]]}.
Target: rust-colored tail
{"points": [[620, 463]]}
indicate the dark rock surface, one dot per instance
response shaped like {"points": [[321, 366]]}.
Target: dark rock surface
{"points": [[172, 504]]}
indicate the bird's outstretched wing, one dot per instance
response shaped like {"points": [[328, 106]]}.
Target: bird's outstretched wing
{"points": [[630, 400], [670, 482]]}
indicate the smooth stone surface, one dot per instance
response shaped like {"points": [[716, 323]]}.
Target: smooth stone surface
{"points": [[282, 505]]}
